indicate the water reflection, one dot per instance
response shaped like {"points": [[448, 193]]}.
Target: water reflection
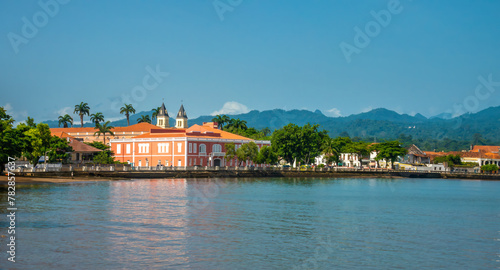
{"points": [[257, 223]]}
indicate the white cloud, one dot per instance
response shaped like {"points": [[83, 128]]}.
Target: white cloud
{"points": [[18, 116], [334, 112], [367, 109], [232, 107], [63, 111]]}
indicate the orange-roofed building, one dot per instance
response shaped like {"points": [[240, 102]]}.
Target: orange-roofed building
{"points": [[81, 152], [486, 149], [86, 134], [178, 147]]}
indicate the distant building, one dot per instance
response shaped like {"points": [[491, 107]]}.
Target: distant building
{"points": [[416, 156]]}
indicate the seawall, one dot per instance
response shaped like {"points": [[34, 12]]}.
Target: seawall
{"points": [[223, 173]]}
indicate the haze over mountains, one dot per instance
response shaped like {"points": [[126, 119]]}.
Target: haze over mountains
{"points": [[380, 123]]}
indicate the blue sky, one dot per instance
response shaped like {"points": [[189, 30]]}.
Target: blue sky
{"points": [[247, 55]]}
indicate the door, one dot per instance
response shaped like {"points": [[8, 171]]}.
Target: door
{"points": [[217, 162]]}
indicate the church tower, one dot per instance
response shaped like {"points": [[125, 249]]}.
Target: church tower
{"points": [[182, 120], [162, 118]]}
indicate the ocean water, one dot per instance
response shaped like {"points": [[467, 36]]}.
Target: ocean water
{"points": [[262, 223]]}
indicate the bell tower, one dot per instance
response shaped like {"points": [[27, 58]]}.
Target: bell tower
{"points": [[162, 118], [182, 120]]}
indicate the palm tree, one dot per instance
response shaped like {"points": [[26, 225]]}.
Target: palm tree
{"points": [[97, 117], [155, 113], [82, 109], [127, 110], [103, 129], [65, 120], [144, 119], [221, 120], [331, 150], [237, 123]]}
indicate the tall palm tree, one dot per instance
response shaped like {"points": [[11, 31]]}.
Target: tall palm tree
{"points": [[155, 113], [144, 119], [127, 110], [103, 129], [221, 120], [82, 109], [65, 120], [97, 118]]}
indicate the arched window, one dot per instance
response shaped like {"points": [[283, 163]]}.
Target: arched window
{"points": [[216, 148], [203, 148]]}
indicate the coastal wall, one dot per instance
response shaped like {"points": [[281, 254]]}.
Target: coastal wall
{"points": [[221, 173]]}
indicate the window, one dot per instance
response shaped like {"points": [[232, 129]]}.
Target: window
{"points": [[190, 147], [190, 162], [216, 148], [201, 162], [179, 162], [179, 147], [163, 148], [144, 148], [128, 148], [166, 162], [118, 148], [160, 121], [203, 148], [194, 148], [194, 163], [140, 163]]}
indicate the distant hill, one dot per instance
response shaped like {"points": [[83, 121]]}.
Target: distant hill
{"points": [[380, 123]]}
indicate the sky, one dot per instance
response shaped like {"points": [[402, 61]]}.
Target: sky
{"points": [[233, 56]]}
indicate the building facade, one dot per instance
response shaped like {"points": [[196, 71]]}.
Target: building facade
{"points": [[179, 147]]}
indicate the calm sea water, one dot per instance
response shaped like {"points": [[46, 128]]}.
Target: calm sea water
{"points": [[257, 224]]}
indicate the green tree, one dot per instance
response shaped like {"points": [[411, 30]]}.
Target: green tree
{"points": [[127, 109], [10, 145], [103, 158], [230, 151], [265, 132], [97, 118], [144, 119], [156, 111], [64, 120], [247, 152], [39, 143], [30, 122], [390, 151], [103, 129], [221, 120], [237, 124], [82, 109], [450, 159], [302, 143], [266, 156], [286, 142], [489, 168], [59, 150]]}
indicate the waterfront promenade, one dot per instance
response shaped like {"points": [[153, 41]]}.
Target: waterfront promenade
{"points": [[125, 172]]}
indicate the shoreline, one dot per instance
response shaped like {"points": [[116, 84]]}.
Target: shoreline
{"points": [[65, 177]]}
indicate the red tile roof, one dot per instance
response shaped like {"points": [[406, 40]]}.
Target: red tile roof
{"points": [[77, 145], [486, 148], [140, 127], [195, 131]]}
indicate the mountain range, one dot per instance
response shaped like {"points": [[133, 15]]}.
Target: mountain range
{"points": [[380, 123]]}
